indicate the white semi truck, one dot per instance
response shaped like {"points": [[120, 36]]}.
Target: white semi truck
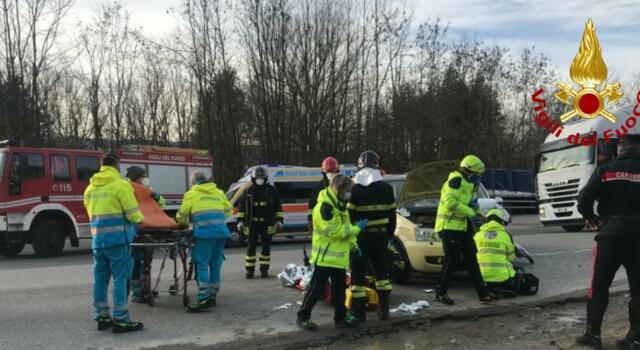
{"points": [[563, 167]]}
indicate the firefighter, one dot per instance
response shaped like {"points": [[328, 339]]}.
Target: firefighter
{"points": [[138, 175], [113, 210], [456, 210], [496, 253], [259, 215], [208, 208], [372, 199], [334, 237], [615, 186], [330, 168]]}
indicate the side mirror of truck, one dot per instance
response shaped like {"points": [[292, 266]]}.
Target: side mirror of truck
{"points": [[14, 188]]}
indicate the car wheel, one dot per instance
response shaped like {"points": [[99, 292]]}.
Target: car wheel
{"points": [[573, 228], [48, 239], [11, 248], [400, 268], [237, 239]]}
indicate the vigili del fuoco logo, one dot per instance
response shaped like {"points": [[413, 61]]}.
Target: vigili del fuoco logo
{"points": [[592, 99]]}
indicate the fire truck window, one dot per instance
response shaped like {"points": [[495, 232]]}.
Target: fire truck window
{"points": [[86, 167], [60, 168], [31, 166]]}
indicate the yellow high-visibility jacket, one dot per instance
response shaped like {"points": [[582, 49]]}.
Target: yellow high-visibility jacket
{"points": [[333, 234], [453, 208], [208, 207], [112, 208]]}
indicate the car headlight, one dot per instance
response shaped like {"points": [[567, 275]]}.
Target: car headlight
{"points": [[542, 212], [422, 234]]}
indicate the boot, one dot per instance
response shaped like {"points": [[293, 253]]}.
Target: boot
{"points": [[198, 306], [104, 323], [249, 274], [590, 339], [443, 297], [307, 324], [126, 326], [489, 298], [627, 343], [383, 309], [349, 322], [358, 308], [264, 273]]}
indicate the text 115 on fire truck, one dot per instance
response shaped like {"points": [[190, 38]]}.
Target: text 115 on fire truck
{"points": [[41, 190]]}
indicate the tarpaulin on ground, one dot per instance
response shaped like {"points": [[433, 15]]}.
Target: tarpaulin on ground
{"points": [[154, 216]]}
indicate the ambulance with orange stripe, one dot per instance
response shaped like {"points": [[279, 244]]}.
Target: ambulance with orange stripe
{"points": [[41, 195], [294, 185]]}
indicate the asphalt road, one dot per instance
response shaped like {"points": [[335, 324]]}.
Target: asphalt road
{"points": [[46, 303]]}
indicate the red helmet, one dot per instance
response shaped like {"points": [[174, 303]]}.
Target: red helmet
{"points": [[330, 165]]}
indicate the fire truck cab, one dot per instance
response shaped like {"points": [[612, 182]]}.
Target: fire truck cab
{"points": [[41, 190]]}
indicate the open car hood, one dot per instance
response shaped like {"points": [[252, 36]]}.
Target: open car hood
{"points": [[426, 181]]}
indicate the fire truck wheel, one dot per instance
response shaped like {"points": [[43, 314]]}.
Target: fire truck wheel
{"points": [[47, 238], [11, 249]]}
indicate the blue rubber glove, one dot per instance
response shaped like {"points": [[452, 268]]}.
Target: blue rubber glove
{"points": [[474, 204], [357, 251], [362, 223]]}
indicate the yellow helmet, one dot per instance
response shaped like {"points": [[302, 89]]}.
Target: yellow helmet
{"points": [[495, 212], [473, 164]]}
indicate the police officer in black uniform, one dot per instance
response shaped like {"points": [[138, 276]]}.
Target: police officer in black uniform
{"points": [[616, 187], [259, 215], [371, 199]]}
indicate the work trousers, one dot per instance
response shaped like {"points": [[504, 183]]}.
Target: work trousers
{"points": [[374, 253], [258, 230], [506, 289], [316, 289], [113, 262], [460, 248], [609, 253], [142, 258], [207, 256]]}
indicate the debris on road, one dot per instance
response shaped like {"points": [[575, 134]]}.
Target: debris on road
{"points": [[411, 308], [283, 306]]}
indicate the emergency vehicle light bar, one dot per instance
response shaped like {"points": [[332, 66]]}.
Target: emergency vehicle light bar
{"points": [[160, 149], [6, 143]]}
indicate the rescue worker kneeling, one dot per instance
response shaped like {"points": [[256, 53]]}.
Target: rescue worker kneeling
{"points": [[113, 210], [334, 237], [208, 208], [496, 253]]}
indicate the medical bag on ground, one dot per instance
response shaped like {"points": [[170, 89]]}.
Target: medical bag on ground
{"points": [[528, 284]]}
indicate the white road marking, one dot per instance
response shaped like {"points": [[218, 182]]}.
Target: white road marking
{"points": [[564, 252]]}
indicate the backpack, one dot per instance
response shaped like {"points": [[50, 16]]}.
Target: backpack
{"points": [[528, 284]]}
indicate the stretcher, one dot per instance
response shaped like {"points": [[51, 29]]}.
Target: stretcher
{"points": [[175, 244]]}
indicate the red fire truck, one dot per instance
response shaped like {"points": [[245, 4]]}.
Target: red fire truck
{"points": [[41, 201]]}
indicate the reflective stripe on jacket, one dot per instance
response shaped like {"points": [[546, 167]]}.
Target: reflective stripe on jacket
{"points": [[333, 239], [495, 253], [453, 208], [112, 208], [208, 208]]}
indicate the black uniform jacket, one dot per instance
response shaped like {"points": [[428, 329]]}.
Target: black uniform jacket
{"points": [[616, 187]]}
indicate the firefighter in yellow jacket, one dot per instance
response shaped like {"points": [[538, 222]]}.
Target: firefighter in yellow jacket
{"points": [[496, 253], [113, 212], [457, 210], [208, 208], [334, 237]]}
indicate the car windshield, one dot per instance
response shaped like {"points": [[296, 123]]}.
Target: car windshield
{"points": [[3, 157], [566, 157]]}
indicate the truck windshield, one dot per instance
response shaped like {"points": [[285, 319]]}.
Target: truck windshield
{"points": [[567, 157], [3, 157]]}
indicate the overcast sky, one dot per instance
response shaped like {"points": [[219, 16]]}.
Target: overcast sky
{"points": [[553, 26]]}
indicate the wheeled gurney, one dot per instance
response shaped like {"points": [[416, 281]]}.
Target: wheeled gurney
{"points": [[176, 244]]}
